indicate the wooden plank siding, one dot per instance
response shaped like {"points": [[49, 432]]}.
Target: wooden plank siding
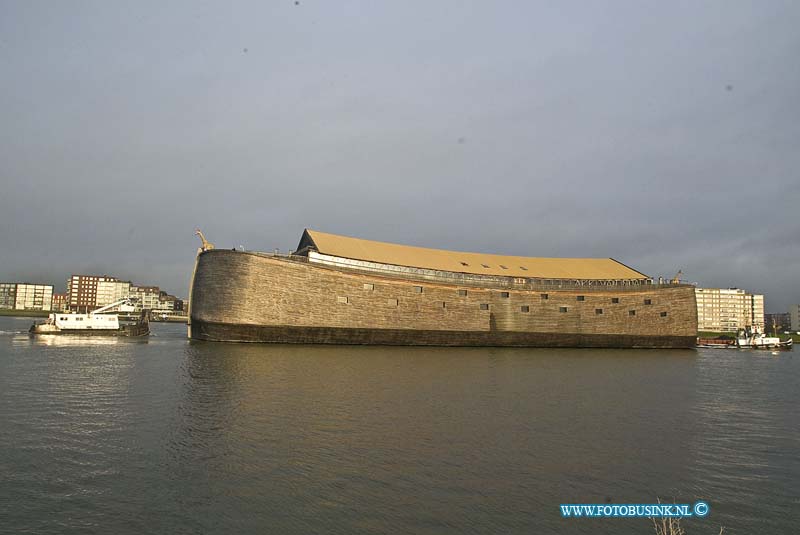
{"points": [[241, 296]]}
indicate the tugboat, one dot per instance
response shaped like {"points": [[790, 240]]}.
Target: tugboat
{"points": [[95, 323], [753, 338]]}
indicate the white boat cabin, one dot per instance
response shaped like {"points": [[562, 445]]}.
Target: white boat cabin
{"points": [[84, 321]]}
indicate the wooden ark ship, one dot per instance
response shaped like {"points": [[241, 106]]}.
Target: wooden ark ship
{"points": [[342, 290]]}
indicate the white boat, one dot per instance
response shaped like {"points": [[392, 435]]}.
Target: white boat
{"points": [[96, 322], [753, 338]]}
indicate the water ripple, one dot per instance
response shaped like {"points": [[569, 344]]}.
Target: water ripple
{"points": [[183, 437]]}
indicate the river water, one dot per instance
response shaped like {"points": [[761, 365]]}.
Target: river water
{"points": [[169, 436]]}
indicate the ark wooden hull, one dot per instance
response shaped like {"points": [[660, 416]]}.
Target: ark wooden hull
{"points": [[256, 297]]}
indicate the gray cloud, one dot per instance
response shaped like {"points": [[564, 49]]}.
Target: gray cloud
{"points": [[664, 135]]}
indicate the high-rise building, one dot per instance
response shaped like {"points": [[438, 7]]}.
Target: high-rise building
{"points": [[8, 295], [111, 290], [794, 317], [86, 292], [777, 322], [757, 312], [59, 302], [34, 296], [728, 309]]}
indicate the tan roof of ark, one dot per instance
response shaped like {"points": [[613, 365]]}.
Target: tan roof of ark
{"points": [[476, 263]]}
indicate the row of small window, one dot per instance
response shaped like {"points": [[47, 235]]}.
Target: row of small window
{"points": [[485, 306], [463, 293], [598, 311], [614, 300], [417, 289], [392, 302]]}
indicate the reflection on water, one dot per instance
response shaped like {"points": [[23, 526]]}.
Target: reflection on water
{"points": [[428, 438], [750, 415], [178, 436], [70, 340], [23, 337]]}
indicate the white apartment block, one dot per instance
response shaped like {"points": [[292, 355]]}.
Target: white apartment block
{"points": [[728, 309], [8, 295], [34, 297], [794, 317], [147, 297], [758, 311], [111, 290]]}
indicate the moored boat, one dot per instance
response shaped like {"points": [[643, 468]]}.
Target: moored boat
{"points": [[99, 322], [716, 343], [753, 338]]}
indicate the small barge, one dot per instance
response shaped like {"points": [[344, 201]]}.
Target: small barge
{"points": [[94, 323], [748, 338]]}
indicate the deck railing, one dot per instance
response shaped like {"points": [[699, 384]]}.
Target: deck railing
{"points": [[474, 280]]}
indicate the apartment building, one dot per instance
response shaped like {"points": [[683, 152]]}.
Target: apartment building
{"points": [[147, 297], [111, 290], [728, 309], [794, 317], [8, 295], [780, 321], [87, 292], [59, 302], [33, 296]]}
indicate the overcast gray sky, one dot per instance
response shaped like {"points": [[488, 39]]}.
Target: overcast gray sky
{"points": [[663, 134]]}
